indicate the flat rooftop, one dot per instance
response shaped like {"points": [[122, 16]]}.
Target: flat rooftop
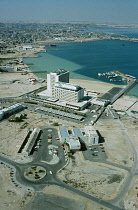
{"points": [[67, 86], [63, 132], [77, 132]]}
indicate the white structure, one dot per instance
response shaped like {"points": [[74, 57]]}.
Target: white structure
{"points": [[60, 88], [72, 140], [74, 143], [91, 137], [68, 92], [31, 141], [10, 110], [27, 47], [60, 75], [97, 101]]}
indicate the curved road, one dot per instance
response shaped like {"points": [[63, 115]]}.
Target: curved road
{"points": [[41, 157]]}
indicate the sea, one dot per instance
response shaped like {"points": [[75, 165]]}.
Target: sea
{"points": [[84, 60]]}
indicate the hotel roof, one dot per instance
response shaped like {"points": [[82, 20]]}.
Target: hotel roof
{"points": [[60, 71], [67, 86]]}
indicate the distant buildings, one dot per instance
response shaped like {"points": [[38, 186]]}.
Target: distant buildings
{"points": [[27, 47]]}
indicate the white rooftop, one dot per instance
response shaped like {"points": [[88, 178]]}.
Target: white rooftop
{"points": [[67, 86], [90, 129]]}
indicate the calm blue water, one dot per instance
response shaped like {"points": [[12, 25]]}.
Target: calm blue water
{"points": [[85, 60]]}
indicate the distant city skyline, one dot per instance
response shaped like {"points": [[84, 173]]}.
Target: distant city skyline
{"points": [[98, 11]]}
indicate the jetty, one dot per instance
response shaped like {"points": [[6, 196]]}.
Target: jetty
{"points": [[125, 89]]}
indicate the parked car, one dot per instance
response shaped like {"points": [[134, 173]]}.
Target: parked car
{"points": [[94, 154]]}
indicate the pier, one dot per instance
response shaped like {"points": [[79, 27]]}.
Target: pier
{"points": [[112, 95], [131, 84], [116, 92]]}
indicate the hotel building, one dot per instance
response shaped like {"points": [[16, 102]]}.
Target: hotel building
{"points": [[58, 84]]}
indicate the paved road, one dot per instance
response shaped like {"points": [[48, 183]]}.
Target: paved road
{"points": [[42, 155], [39, 159], [48, 180], [132, 172], [95, 199]]}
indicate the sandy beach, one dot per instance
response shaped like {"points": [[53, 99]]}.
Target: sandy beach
{"points": [[22, 85]]}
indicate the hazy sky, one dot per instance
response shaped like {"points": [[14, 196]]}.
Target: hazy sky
{"points": [[103, 11]]}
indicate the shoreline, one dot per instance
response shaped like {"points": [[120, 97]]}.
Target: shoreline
{"points": [[41, 46], [33, 53]]}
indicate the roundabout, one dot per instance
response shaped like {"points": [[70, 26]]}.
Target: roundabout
{"points": [[35, 173]]}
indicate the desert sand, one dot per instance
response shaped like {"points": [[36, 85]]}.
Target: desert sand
{"points": [[97, 180]]}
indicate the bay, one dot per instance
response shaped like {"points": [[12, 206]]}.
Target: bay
{"points": [[85, 60]]}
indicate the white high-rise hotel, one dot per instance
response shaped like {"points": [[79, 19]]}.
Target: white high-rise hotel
{"points": [[58, 84]]}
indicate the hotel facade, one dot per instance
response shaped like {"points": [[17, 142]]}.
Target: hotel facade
{"points": [[58, 84]]}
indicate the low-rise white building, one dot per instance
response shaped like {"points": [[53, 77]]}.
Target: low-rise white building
{"points": [[65, 137], [97, 101], [27, 47], [91, 136], [74, 143]]}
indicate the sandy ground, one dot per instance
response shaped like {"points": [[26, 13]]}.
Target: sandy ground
{"points": [[10, 142], [9, 89], [124, 103], [12, 197], [115, 142], [20, 53], [88, 205], [131, 125], [96, 179], [13, 133], [131, 199], [23, 85], [98, 86]]}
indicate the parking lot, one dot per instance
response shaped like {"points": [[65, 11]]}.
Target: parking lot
{"points": [[48, 147], [95, 153]]}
